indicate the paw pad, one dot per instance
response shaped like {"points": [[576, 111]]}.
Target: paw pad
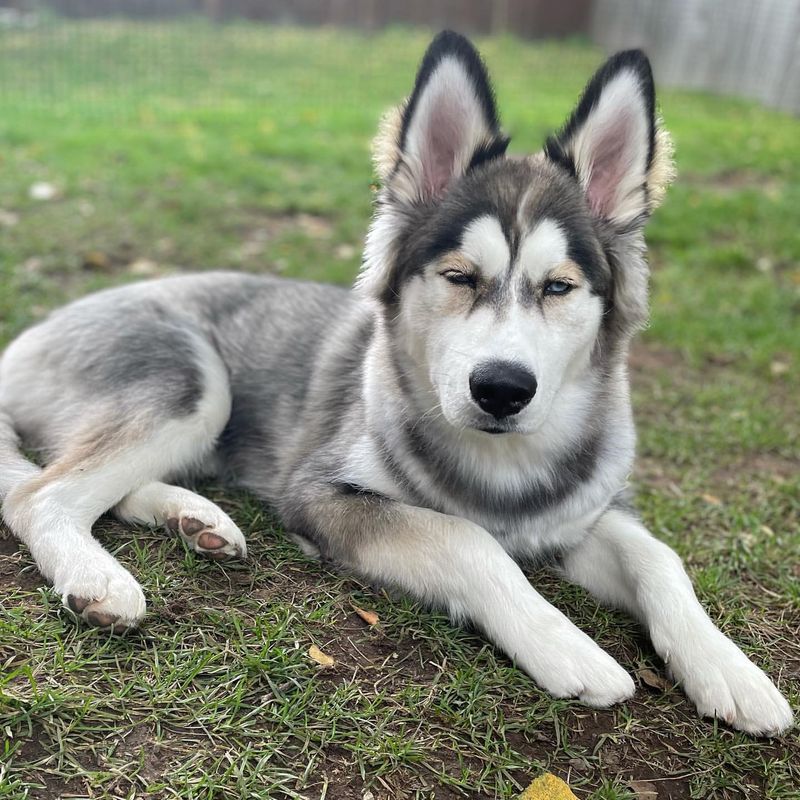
{"points": [[77, 604], [210, 541], [98, 619], [202, 537]]}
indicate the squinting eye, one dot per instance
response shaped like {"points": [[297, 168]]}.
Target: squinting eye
{"points": [[558, 287], [459, 278]]}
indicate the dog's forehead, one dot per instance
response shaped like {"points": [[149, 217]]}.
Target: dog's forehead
{"points": [[495, 210], [523, 209], [522, 192], [537, 246]]}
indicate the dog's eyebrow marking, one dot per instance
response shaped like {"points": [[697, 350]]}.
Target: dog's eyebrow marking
{"points": [[528, 290], [484, 244], [544, 247]]}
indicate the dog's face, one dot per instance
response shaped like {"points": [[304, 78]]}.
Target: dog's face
{"points": [[509, 302], [504, 279]]}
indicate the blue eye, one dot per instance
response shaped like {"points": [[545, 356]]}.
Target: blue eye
{"points": [[459, 278], [558, 287]]}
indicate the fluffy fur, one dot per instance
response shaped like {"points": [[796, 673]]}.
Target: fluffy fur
{"points": [[465, 407]]}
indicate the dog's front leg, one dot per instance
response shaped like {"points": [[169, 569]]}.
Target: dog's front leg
{"points": [[454, 564], [623, 565]]}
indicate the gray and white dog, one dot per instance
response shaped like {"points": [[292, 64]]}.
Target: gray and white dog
{"points": [[464, 407]]}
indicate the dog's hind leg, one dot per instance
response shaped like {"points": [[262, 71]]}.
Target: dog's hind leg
{"points": [[124, 442], [15, 469], [205, 527]]}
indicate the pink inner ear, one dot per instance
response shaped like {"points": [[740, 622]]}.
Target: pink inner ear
{"points": [[444, 139], [610, 162]]}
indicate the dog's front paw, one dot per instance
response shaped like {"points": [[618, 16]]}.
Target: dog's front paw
{"points": [[567, 663], [722, 682], [108, 598]]}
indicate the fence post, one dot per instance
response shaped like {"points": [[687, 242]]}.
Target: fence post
{"points": [[213, 9], [499, 22]]}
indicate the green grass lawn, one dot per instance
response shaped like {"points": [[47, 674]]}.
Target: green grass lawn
{"points": [[184, 146]]}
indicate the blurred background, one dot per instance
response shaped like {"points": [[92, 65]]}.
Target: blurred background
{"points": [[142, 137], [742, 47]]}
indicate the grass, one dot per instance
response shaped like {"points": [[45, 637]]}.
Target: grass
{"points": [[183, 146]]}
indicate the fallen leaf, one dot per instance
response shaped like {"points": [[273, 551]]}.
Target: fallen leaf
{"points": [[323, 659], [654, 680], [370, 617], [548, 787], [711, 499], [644, 790], [96, 260]]}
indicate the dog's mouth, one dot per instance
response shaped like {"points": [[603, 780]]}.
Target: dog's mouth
{"points": [[494, 430], [497, 427]]}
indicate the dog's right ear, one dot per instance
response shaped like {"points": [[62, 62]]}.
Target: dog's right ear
{"points": [[448, 126]]}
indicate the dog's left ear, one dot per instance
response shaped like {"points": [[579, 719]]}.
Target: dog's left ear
{"points": [[609, 141], [448, 126]]}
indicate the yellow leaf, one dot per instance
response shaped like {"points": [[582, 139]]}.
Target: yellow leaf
{"points": [[548, 787], [655, 680], [370, 617], [321, 658], [712, 499], [644, 790]]}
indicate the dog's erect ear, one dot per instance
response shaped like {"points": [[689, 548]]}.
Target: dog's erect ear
{"points": [[449, 124], [609, 141]]}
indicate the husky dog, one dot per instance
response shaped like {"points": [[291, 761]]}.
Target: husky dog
{"points": [[463, 408]]}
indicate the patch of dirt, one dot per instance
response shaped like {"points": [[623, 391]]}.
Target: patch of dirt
{"points": [[141, 745], [735, 180], [16, 570], [266, 228], [41, 762], [648, 357], [755, 469]]}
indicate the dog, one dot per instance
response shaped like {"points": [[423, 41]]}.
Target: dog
{"points": [[465, 407]]}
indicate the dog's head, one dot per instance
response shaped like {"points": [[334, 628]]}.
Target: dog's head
{"points": [[508, 280]]}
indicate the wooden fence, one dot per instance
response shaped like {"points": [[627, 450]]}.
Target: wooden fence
{"points": [[526, 18], [749, 48]]}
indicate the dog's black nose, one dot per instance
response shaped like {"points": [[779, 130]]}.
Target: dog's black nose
{"points": [[502, 388]]}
